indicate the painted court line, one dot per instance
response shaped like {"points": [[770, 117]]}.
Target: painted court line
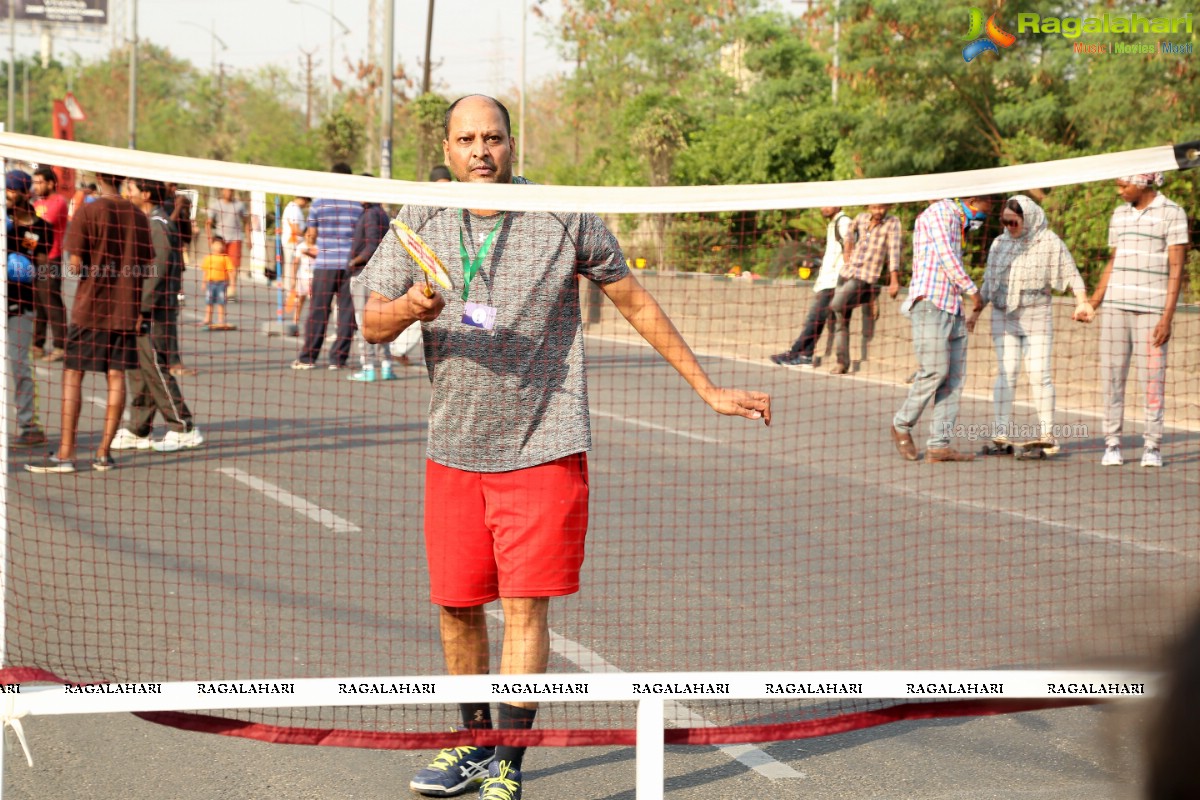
{"points": [[653, 426], [298, 504], [747, 755]]}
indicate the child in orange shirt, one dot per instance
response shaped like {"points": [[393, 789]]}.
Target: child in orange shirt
{"points": [[217, 267]]}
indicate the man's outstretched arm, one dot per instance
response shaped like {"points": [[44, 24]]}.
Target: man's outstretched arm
{"points": [[647, 317]]}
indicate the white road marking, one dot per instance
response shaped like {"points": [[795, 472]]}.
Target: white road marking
{"points": [[590, 661], [903, 494], [298, 504], [654, 426]]}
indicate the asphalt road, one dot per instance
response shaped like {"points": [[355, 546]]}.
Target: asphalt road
{"points": [[289, 546]]}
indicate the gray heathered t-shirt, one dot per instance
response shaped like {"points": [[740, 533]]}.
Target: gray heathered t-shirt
{"points": [[514, 396]]}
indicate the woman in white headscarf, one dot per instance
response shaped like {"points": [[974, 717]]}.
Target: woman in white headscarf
{"points": [[1025, 264]]}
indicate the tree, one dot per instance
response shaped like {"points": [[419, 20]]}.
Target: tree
{"points": [[342, 138], [427, 114]]}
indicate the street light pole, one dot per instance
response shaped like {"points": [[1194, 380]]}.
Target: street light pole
{"points": [[133, 46], [389, 26], [345, 32], [214, 41], [12, 68], [521, 102]]}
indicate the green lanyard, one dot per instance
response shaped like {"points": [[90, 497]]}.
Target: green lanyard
{"points": [[471, 266]]}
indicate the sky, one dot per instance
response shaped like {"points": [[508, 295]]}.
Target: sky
{"points": [[477, 42]]}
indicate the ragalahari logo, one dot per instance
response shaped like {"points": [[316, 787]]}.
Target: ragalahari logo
{"points": [[992, 35]]}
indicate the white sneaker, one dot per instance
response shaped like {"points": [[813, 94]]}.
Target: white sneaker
{"points": [[178, 441], [128, 440], [1151, 457], [1112, 457]]}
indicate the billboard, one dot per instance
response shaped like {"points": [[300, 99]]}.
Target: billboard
{"points": [[89, 12]]}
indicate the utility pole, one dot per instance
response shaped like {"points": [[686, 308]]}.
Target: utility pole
{"points": [[837, 30], [12, 65], [133, 76], [428, 49], [521, 102], [389, 26], [25, 90], [308, 87]]}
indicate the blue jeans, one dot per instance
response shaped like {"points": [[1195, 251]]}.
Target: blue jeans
{"points": [[940, 340], [814, 324]]}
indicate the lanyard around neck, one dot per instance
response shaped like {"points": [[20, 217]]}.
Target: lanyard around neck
{"points": [[472, 265]]}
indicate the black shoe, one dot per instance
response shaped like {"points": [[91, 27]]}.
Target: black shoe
{"points": [[782, 359], [801, 362]]}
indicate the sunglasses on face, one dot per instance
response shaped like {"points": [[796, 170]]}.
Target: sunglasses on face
{"points": [[1011, 223]]}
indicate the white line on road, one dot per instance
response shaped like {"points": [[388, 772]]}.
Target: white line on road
{"points": [[749, 756], [298, 504], [654, 426]]}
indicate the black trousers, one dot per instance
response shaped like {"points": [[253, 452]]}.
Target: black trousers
{"points": [[328, 284], [154, 389], [49, 308]]}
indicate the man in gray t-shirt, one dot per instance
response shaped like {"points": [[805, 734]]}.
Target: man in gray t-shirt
{"points": [[1140, 287], [506, 477], [229, 218]]}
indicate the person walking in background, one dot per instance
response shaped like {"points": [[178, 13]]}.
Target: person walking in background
{"points": [[1148, 237], [334, 222], [304, 258], [291, 232], [49, 205], [934, 306], [837, 230], [368, 233], [111, 250], [152, 385], [231, 219], [875, 237], [1025, 264], [218, 269], [178, 207], [30, 241]]}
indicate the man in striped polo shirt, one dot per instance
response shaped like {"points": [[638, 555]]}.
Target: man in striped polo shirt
{"points": [[1148, 237], [334, 221]]}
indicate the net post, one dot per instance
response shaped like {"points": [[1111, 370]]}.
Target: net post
{"points": [[1187, 155], [649, 757], [4, 412], [4, 472]]}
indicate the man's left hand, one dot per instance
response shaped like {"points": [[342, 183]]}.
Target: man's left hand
{"points": [[738, 403], [893, 289]]}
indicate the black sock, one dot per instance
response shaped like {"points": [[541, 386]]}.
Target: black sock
{"points": [[476, 716], [514, 718]]}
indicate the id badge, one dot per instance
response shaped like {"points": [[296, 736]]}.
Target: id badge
{"points": [[477, 315]]}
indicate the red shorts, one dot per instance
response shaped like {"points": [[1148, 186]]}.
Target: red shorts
{"points": [[234, 251], [505, 534]]}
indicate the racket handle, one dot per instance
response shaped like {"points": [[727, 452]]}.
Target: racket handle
{"points": [[427, 290]]}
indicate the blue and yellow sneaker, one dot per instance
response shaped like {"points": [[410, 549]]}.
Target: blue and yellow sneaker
{"points": [[502, 783], [453, 771]]}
